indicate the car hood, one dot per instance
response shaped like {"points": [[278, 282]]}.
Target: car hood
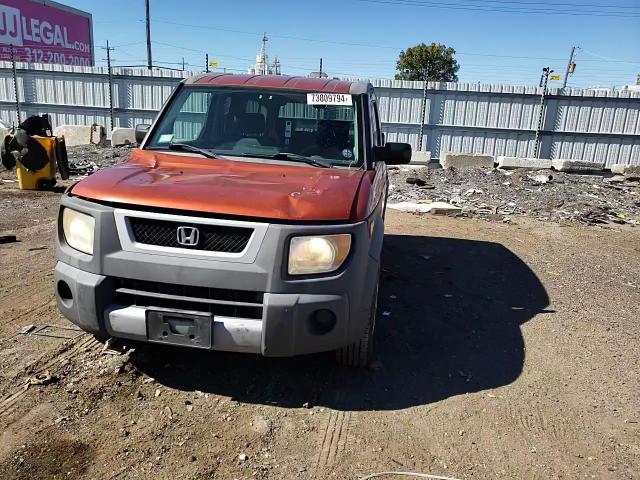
{"points": [[227, 187]]}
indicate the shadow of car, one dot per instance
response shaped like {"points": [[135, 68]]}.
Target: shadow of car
{"points": [[449, 320]]}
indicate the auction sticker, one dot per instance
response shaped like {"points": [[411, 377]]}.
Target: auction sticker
{"points": [[329, 99]]}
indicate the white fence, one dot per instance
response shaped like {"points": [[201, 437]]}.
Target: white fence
{"points": [[472, 118]]}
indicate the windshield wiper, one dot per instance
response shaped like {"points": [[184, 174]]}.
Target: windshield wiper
{"points": [[294, 157], [190, 148]]}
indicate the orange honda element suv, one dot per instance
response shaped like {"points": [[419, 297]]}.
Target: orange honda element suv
{"points": [[250, 219]]}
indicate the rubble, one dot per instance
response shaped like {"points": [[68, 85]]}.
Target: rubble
{"points": [[503, 195], [27, 329], [89, 158], [44, 378]]}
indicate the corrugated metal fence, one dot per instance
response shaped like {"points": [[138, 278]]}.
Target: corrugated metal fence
{"points": [[470, 118]]}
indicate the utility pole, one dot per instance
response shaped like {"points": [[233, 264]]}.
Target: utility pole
{"points": [[544, 80], [149, 60], [15, 83], [110, 84], [206, 62], [423, 110], [571, 66], [320, 75], [183, 64]]}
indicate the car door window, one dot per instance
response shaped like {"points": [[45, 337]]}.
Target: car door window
{"points": [[376, 134]]}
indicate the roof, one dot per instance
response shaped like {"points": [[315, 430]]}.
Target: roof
{"points": [[279, 82]]}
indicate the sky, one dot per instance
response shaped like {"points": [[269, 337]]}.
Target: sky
{"points": [[496, 41]]}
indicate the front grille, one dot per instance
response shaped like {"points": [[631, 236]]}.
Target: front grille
{"points": [[213, 238], [218, 301]]}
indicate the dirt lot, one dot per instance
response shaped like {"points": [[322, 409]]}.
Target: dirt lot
{"points": [[506, 350]]}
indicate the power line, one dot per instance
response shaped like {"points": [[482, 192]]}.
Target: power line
{"points": [[367, 45], [290, 37], [545, 4], [478, 8], [606, 59]]}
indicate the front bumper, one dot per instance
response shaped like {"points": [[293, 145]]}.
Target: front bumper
{"points": [[283, 329], [89, 293]]}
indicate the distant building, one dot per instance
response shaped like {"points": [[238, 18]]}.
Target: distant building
{"points": [[632, 88], [262, 65], [318, 75]]}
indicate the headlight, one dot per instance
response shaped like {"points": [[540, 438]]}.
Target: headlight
{"points": [[321, 254], [78, 230]]}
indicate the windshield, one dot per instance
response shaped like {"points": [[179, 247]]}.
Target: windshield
{"points": [[263, 123]]}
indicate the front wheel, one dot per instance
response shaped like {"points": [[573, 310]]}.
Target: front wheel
{"points": [[360, 353]]}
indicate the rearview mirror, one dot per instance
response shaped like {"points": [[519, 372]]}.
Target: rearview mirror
{"points": [[393, 153], [141, 132]]}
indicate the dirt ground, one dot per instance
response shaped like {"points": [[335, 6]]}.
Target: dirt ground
{"points": [[505, 350]]}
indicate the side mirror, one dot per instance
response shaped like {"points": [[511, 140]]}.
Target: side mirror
{"points": [[393, 153], [141, 132]]}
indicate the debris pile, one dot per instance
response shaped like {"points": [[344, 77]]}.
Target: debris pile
{"points": [[86, 159], [502, 195]]}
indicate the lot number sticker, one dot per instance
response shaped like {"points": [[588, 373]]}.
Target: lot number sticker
{"points": [[329, 99]]}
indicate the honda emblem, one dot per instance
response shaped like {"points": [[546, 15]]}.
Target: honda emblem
{"points": [[188, 236]]}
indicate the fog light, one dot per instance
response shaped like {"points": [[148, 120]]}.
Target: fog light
{"points": [[65, 294], [322, 321]]}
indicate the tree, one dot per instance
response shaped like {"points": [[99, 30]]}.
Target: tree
{"points": [[433, 62]]}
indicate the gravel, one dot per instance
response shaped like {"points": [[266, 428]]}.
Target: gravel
{"points": [[501, 195]]}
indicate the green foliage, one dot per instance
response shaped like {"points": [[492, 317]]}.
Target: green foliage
{"points": [[435, 62]]}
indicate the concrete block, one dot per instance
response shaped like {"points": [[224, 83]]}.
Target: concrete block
{"points": [[466, 160], [437, 208], [577, 166], [420, 158], [123, 136], [523, 162], [408, 167], [618, 168], [81, 134], [625, 169]]}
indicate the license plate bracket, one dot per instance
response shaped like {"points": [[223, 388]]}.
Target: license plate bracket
{"points": [[179, 328]]}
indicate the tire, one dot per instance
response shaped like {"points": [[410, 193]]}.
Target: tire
{"points": [[46, 184], [360, 353], [101, 338]]}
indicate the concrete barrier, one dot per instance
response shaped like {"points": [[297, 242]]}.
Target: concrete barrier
{"points": [[123, 136], [618, 168], [576, 166], [508, 163], [420, 158], [625, 169], [466, 160], [81, 134]]}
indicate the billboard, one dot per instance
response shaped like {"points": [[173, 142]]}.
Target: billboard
{"points": [[45, 32]]}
